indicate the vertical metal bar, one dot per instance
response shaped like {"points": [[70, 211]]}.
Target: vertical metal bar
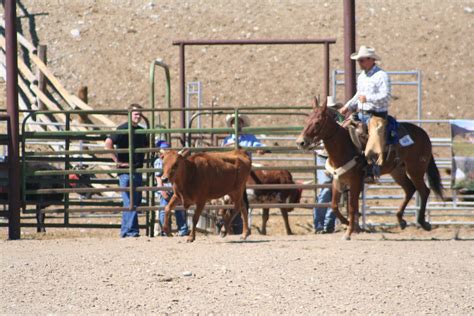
{"points": [[14, 231], [420, 95], [199, 103], [131, 168], [364, 206], [182, 82], [316, 181], [67, 167], [236, 128], [41, 77], [349, 48], [326, 71], [334, 84]]}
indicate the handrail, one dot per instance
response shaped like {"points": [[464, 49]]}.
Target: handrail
{"points": [[159, 62]]}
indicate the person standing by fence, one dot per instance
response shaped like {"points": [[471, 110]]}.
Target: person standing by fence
{"points": [[129, 226], [244, 140]]}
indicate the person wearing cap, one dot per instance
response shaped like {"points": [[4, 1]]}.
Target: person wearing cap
{"points": [[165, 195], [324, 219], [373, 87]]}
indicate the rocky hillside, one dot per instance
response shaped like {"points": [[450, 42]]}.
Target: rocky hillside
{"points": [[109, 45]]}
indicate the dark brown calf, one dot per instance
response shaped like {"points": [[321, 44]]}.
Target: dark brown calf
{"points": [[274, 196], [204, 176]]}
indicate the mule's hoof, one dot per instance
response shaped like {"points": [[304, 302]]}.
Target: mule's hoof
{"points": [[403, 224], [346, 237], [426, 226], [244, 236], [190, 239]]}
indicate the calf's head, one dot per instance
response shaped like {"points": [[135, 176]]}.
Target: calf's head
{"points": [[174, 164]]}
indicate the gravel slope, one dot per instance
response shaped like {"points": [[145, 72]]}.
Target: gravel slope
{"points": [[109, 45]]}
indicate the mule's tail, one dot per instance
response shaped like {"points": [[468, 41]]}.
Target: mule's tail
{"points": [[435, 179]]}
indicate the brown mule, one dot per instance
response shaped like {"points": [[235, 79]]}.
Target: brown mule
{"points": [[407, 169]]}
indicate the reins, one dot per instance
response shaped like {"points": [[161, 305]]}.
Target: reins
{"points": [[316, 139]]}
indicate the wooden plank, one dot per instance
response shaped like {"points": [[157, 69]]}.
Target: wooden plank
{"points": [[44, 98], [26, 90], [21, 39], [21, 65], [52, 79], [83, 106], [73, 101]]}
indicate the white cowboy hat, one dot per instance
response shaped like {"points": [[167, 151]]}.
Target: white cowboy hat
{"points": [[365, 52], [245, 119], [331, 103]]}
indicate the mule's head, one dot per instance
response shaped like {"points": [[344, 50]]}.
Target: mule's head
{"points": [[313, 130], [173, 164], [376, 143]]}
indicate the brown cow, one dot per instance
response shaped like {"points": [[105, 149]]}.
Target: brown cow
{"points": [[270, 196], [275, 195], [204, 176]]}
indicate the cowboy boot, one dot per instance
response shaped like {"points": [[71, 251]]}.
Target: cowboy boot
{"points": [[369, 177]]}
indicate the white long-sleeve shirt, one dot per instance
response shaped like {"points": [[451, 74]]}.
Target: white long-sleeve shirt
{"points": [[375, 86]]}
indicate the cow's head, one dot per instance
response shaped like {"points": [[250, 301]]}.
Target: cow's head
{"points": [[174, 164], [377, 140]]}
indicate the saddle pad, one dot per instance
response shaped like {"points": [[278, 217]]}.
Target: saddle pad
{"points": [[392, 130]]}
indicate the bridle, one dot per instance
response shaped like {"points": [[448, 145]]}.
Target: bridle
{"points": [[318, 137]]}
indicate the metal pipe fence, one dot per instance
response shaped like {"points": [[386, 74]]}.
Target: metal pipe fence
{"points": [[69, 139], [301, 163]]}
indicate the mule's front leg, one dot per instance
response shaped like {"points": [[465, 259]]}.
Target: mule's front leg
{"points": [[353, 211], [336, 197]]}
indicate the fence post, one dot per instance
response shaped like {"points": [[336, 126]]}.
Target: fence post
{"points": [[131, 171], [67, 166]]}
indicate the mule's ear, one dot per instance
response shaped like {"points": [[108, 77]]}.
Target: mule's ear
{"points": [[185, 152], [315, 103], [325, 105]]}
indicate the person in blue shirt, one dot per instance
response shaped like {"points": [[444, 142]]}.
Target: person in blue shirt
{"points": [[244, 140], [165, 196]]}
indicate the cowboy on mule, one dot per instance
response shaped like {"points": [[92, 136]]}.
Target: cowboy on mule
{"points": [[347, 165], [371, 99]]}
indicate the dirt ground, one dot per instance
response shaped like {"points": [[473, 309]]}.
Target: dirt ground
{"points": [[109, 45], [378, 273]]}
